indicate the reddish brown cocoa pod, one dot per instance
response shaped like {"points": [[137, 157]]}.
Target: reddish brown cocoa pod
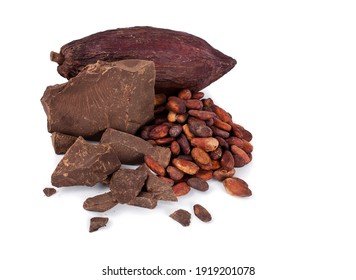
{"points": [[160, 99], [203, 115], [204, 174], [175, 130], [207, 144], [174, 173], [154, 165], [221, 174], [181, 189], [184, 144], [237, 187], [227, 160], [185, 94], [175, 148], [176, 105], [222, 125], [198, 184], [194, 104], [198, 95], [200, 156], [179, 57], [160, 131], [186, 166], [200, 130]]}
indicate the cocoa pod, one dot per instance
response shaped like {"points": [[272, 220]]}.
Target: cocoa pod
{"points": [[186, 166], [207, 144], [179, 57], [181, 189], [236, 186]]}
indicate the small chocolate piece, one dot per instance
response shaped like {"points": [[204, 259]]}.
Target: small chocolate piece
{"points": [[105, 94], [145, 200], [62, 142], [198, 184], [182, 217], [97, 222], [85, 164], [126, 184], [202, 213], [161, 189], [131, 149], [100, 203], [49, 191]]}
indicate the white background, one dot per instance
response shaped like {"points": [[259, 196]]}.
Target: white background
{"points": [[293, 87]]}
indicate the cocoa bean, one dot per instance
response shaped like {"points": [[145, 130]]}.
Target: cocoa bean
{"points": [[176, 105], [145, 131], [220, 132], [203, 115], [221, 113], [181, 118], [221, 174], [175, 130], [200, 156], [216, 154], [207, 144], [222, 125], [227, 160], [185, 157], [198, 95], [208, 102], [179, 57], [174, 173], [160, 99], [193, 120], [184, 144], [200, 130], [240, 153], [222, 142], [198, 184], [185, 94], [247, 146], [202, 213], [164, 141], [154, 165], [194, 104], [188, 133], [172, 116], [175, 148], [204, 174], [210, 122], [159, 131], [235, 141], [181, 189], [237, 187], [186, 166]]}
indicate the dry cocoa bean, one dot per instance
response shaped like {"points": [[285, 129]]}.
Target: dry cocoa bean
{"points": [[176, 105], [198, 184], [240, 153], [194, 104], [208, 166], [181, 189], [204, 174], [235, 141], [227, 160], [160, 99], [221, 113], [145, 131], [222, 125], [236, 131], [171, 117], [175, 148], [222, 142], [215, 165], [193, 120], [202, 213], [221, 174], [237, 187], [174, 173], [247, 146], [154, 165], [184, 144], [181, 118], [185, 166], [216, 154], [203, 115], [188, 133], [159, 131], [185, 94], [246, 135], [179, 57], [238, 161], [164, 141], [198, 95], [175, 130], [200, 130], [210, 122], [200, 156], [220, 132], [207, 144], [208, 102], [185, 157]]}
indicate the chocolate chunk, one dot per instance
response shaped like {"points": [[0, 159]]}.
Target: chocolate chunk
{"points": [[85, 164], [105, 94], [161, 189], [97, 222], [202, 213], [62, 142], [100, 203], [145, 200], [182, 217], [131, 149], [49, 191], [126, 184]]}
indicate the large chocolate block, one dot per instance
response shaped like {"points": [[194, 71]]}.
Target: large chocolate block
{"points": [[119, 95], [85, 164], [131, 149]]}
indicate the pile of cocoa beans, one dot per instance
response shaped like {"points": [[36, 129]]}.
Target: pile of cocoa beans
{"points": [[204, 141]]}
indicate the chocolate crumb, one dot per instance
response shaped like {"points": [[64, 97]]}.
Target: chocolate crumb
{"points": [[97, 222], [182, 217], [49, 191]]}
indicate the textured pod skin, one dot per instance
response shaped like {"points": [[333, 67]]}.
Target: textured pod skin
{"points": [[182, 60]]}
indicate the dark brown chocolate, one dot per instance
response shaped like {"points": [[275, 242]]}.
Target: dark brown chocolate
{"points": [[100, 203], [62, 142], [181, 216], [145, 200], [49, 191], [97, 222], [119, 95], [85, 164], [126, 184], [161, 189], [131, 149]]}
